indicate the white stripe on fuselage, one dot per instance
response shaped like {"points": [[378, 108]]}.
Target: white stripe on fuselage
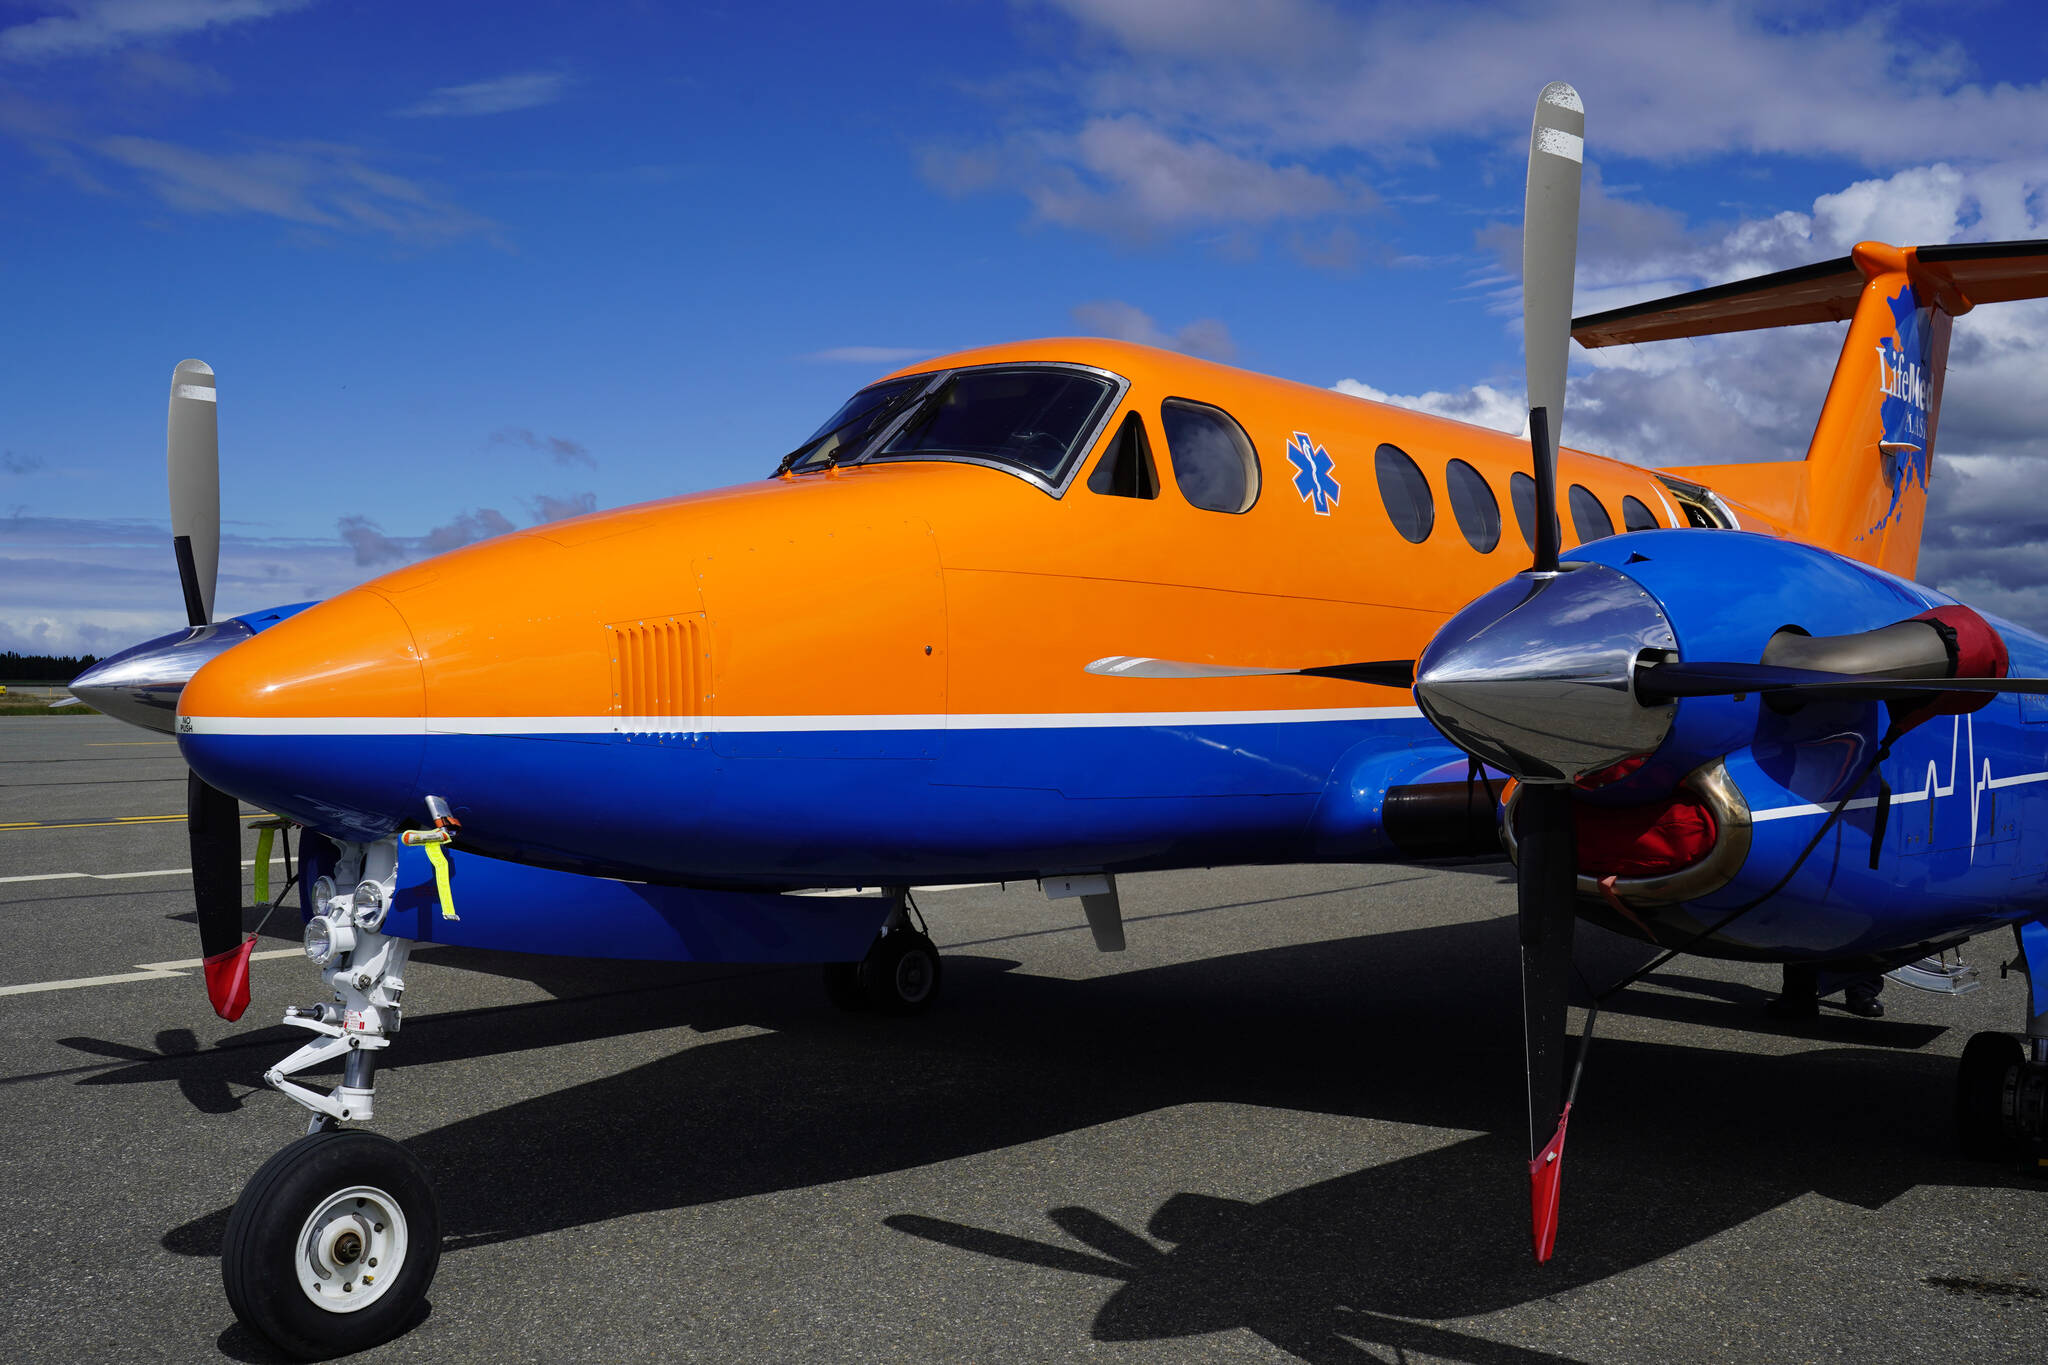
{"points": [[603, 725]]}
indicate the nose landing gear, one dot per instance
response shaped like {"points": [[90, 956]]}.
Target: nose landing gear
{"points": [[335, 1239]]}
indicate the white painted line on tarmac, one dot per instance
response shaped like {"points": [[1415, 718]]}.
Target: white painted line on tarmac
{"points": [[119, 876], [144, 971]]}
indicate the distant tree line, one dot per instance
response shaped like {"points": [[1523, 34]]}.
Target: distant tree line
{"points": [[38, 668]]}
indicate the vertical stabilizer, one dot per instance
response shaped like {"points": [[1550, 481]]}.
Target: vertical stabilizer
{"points": [[1862, 488], [1866, 470]]}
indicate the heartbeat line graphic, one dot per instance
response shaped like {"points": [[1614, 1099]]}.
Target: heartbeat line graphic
{"points": [[1962, 757]]}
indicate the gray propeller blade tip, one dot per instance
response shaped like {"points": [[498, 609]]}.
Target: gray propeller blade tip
{"points": [[192, 441]]}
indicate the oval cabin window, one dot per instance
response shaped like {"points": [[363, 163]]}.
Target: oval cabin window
{"points": [[1474, 505], [1522, 493], [1637, 517], [1213, 460], [1589, 515], [1410, 505]]}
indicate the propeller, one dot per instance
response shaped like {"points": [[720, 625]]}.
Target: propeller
{"points": [[212, 817], [1546, 882]]}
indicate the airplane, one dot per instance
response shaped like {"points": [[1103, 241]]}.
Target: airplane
{"points": [[1068, 609]]}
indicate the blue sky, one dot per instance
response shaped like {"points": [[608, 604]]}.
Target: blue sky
{"points": [[468, 267]]}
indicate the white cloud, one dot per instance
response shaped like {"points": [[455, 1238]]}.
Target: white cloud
{"points": [[1126, 176], [91, 586], [1482, 404], [318, 184], [89, 26], [1661, 78], [503, 94], [1204, 337], [1243, 114]]}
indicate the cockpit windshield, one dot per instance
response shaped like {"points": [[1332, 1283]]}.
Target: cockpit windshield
{"points": [[1035, 420], [848, 430]]}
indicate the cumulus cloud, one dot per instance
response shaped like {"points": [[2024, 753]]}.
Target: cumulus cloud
{"points": [[1662, 78], [74, 585], [371, 547], [1126, 176], [549, 507], [559, 448], [91, 26], [1245, 115], [1755, 396], [500, 95], [1204, 337], [1482, 405], [366, 539]]}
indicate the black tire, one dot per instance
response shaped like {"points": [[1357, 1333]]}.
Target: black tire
{"points": [[843, 988], [1988, 1059], [260, 1255], [900, 974]]}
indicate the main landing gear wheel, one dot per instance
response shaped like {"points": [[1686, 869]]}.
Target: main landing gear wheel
{"points": [[1986, 1086], [332, 1245], [900, 974]]}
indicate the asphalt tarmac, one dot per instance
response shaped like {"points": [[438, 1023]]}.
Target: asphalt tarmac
{"points": [[1285, 1125]]}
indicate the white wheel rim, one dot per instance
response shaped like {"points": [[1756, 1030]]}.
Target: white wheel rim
{"points": [[350, 1249], [913, 976]]}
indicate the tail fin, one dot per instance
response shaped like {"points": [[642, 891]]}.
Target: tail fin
{"points": [[1862, 489]]}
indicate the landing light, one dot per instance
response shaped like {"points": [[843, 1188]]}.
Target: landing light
{"points": [[370, 906], [323, 895], [327, 937]]}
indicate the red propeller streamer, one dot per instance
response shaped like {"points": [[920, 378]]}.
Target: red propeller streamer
{"points": [[1546, 1173], [227, 979]]}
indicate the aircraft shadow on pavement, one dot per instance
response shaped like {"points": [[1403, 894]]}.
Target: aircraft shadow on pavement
{"points": [[1674, 1144]]}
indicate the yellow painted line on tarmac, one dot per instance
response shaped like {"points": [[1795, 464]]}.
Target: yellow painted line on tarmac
{"points": [[93, 824]]}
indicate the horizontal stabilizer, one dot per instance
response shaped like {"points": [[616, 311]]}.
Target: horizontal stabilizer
{"points": [[1982, 272]]}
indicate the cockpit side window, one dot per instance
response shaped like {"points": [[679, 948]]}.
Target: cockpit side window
{"points": [[1126, 469]]}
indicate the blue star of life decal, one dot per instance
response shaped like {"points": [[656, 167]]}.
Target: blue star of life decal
{"points": [[1312, 479]]}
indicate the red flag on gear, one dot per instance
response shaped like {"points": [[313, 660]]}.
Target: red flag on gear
{"points": [[1544, 1174], [227, 980]]}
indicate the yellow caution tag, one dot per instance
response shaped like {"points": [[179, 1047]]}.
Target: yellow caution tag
{"points": [[440, 862], [263, 838]]}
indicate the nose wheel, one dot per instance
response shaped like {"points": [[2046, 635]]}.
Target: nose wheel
{"points": [[332, 1245]]}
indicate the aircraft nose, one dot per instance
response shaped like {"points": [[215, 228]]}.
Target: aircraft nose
{"points": [[320, 718]]}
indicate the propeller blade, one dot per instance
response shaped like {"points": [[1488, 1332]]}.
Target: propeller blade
{"points": [[1656, 684], [1546, 896], [1381, 672], [192, 441], [213, 824], [1550, 250]]}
